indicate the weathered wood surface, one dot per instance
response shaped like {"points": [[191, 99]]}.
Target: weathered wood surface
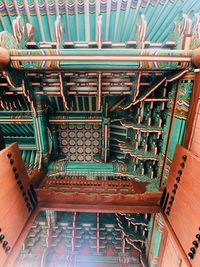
{"points": [[13, 210], [142, 203], [184, 215]]}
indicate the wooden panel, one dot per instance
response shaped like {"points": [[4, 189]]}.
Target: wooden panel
{"points": [[183, 212], [171, 255], [195, 148], [168, 233], [16, 198], [196, 136]]}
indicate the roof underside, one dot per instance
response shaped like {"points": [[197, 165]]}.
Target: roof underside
{"points": [[79, 18], [86, 239], [104, 122], [101, 123]]}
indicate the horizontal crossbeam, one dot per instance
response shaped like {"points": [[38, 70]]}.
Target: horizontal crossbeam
{"points": [[104, 58]]}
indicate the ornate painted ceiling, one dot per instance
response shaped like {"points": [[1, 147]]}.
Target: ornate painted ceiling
{"points": [[119, 18], [78, 99], [97, 94], [86, 239]]}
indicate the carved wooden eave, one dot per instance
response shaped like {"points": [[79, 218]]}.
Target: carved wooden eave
{"points": [[138, 203]]}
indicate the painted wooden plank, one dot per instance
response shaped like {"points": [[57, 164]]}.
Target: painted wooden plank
{"points": [[13, 210], [185, 206]]}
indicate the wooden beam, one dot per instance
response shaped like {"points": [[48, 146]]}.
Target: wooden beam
{"points": [[17, 119], [62, 91], [4, 57], [63, 120], [116, 104], [116, 203], [74, 185], [104, 57], [99, 208], [196, 57]]}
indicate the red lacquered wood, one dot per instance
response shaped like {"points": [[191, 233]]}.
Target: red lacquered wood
{"points": [[13, 210], [185, 211]]}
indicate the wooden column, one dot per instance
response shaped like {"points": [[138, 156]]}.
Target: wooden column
{"points": [[40, 128], [4, 57], [196, 57], [156, 239]]}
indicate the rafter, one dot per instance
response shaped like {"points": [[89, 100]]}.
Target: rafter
{"points": [[63, 91]]}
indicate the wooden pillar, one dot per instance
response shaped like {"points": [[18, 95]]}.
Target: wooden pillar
{"points": [[41, 130], [4, 58], [196, 57], [156, 240]]}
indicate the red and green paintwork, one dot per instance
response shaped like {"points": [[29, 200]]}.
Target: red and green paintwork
{"points": [[106, 111], [76, 239]]}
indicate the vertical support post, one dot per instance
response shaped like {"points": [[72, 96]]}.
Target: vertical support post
{"points": [[73, 231], [63, 91], [40, 128], [99, 92], [169, 131], [39, 122], [123, 243], [105, 139], [55, 142], [98, 236], [99, 33], [156, 240], [4, 57]]}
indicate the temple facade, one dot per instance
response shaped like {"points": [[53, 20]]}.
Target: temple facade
{"points": [[99, 133]]}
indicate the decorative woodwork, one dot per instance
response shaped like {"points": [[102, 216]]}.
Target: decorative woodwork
{"points": [[17, 199], [196, 57], [183, 206], [96, 94], [74, 239]]}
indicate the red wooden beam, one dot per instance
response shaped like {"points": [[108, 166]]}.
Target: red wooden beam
{"points": [[147, 202]]}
